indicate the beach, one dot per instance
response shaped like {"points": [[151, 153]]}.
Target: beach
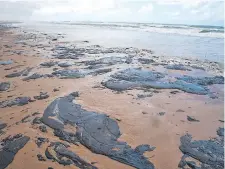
{"points": [[146, 98]]}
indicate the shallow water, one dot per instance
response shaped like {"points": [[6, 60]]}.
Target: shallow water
{"points": [[169, 43]]}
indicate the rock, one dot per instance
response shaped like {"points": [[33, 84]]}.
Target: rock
{"points": [[95, 131], [35, 113], [143, 148], [55, 90], [136, 75], [40, 141], [192, 119], [64, 64], [141, 96], [162, 113], [37, 120], [2, 125], [105, 61], [145, 60], [19, 101], [175, 92], [118, 85], [32, 100], [42, 95], [94, 67], [178, 67], [74, 94], [132, 78], [213, 96], [220, 131], [204, 81], [49, 64], [129, 60], [4, 86], [63, 52], [66, 136], [48, 75], [6, 62], [59, 152], [188, 87], [182, 162], [180, 110], [33, 76], [43, 128], [8, 46], [68, 74], [192, 164], [9, 148], [118, 119], [100, 71], [40, 157], [24, 72], [24, 120], [209, 153]]}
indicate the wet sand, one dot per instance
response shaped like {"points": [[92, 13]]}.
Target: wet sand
{"points": [[138, 119]]}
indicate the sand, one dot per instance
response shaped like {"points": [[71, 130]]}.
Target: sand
{"points": [[138, 119]]}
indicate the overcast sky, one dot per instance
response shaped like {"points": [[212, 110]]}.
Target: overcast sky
{"points": [[204, 12]]}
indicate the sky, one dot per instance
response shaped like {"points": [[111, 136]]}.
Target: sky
{"points": [[194, 12]]}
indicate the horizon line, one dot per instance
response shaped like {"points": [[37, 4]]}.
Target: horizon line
{"points": [[133, 22]]}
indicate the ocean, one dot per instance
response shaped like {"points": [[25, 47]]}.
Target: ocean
{"points": [[201, 42]]}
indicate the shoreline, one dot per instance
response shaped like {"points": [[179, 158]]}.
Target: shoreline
{"points": [[160, 41], [162, 132]]}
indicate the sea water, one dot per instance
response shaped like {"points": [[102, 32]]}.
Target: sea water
{"points": [[201, 42]]}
